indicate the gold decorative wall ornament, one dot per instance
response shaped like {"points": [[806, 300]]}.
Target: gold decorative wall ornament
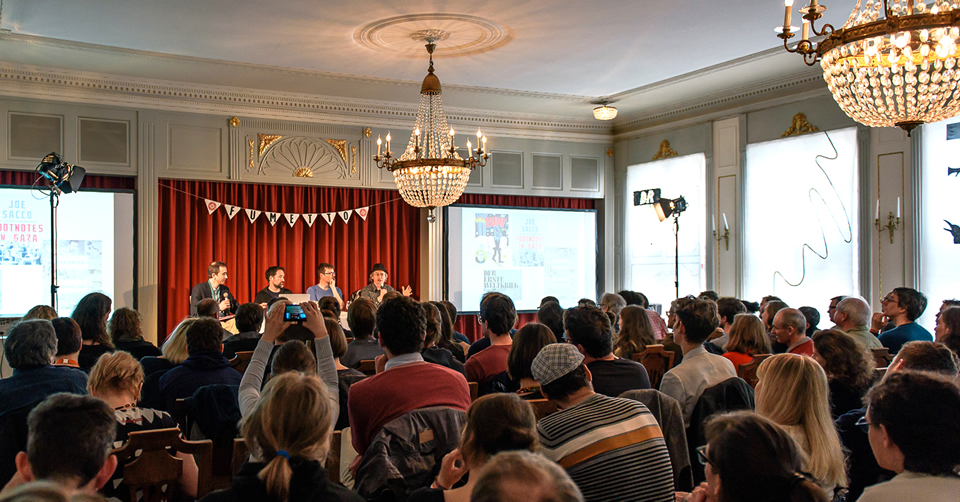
{"points": [[304, 157], [665, 151], [353, 158], [367, 132], [266, 140], [609, 152], [234, 121], [303, 172], [253, 152], [799, 126], [341, 146]]}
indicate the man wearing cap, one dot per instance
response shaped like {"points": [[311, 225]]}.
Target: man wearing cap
{"points": [[378, 287], [594, 436]]}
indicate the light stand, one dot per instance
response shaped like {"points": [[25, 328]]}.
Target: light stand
{"points": [[666, 208], [62, 178]]}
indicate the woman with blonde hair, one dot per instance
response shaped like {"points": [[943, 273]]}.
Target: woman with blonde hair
{"points": [[635, 334], [288, 434], [793, 392], [117, 378], [173, 350], [748, 338]]}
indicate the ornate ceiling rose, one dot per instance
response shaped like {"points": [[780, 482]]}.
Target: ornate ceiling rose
{"points": [[403, 35]]}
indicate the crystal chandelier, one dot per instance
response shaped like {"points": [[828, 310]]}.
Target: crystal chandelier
{"points": [[892, 64], [604, 112], [430, 173]]}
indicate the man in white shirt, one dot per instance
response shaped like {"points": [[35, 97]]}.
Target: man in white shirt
{"points": [[699, 369]]}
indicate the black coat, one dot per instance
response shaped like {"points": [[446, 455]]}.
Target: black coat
{"points": [[309, 483]]}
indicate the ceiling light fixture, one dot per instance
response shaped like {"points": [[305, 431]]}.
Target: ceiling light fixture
{"points": [[604, 112], [430, 173], [889, 67]]}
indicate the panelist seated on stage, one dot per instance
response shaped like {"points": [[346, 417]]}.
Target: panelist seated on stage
{"points": [[274, 289], [215, 288], [378, 288], [326, 285]]}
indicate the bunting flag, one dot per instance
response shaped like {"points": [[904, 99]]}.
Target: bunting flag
{"points": [[329, 217], [362, 212], [309, 218], [273, 218], [346, 215], [253, 214], [212, 205], [291, 218], [231, 210]]}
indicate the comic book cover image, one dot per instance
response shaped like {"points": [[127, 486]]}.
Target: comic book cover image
{"points": [[492, 237]]}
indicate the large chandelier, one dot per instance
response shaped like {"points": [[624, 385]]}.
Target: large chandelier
{"points": [[892, 64], [430, 173]]}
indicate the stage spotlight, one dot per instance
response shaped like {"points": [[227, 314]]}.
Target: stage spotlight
{"points": [[667, 207], [61, 175]]}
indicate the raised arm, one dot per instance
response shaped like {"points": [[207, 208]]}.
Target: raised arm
{"points": [[252, 380]]}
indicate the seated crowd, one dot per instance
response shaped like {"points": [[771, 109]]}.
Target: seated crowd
{"points": [[725, 400]]}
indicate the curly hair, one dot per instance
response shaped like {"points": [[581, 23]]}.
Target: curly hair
{"points": [[844, 359], [635, 334], [124, 325]]}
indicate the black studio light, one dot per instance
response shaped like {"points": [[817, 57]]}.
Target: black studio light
{"points": [[668, 207], [65, 177]]}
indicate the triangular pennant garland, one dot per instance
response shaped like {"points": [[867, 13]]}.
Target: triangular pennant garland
{"points": [[309, 218], [346, 215], [212, 205], [231, 210], [273, 218], [291, 218], [253, 214], [363, 212], [329, 217]]}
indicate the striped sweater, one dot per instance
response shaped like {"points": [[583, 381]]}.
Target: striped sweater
{"points": [[612, 448]]}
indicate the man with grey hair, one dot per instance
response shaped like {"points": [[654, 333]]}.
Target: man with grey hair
{"points": [[522, 476], [612, 302], [852, 316], [790, 327], [30, 349]]}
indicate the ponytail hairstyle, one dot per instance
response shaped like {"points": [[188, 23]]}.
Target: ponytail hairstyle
{"points": [[757, 461], [291, 423]]}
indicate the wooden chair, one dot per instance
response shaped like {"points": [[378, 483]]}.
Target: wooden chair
{"points": [[657, 361], [474, 391], [240, 455], [542, 407], [180, 415], [878, 374], [333, 457], [466, 347], [368, 367], [882, 357], [748, 371], [155, 471], [241, 361]]}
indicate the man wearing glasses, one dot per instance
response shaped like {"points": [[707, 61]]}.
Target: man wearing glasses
{"points": [[902, 307], [326, 284]]}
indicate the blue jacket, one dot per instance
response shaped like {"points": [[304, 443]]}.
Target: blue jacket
{"points": [[33, 385], [201, 369]]}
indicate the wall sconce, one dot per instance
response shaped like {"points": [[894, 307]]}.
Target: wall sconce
{"points": [[893, 222], [725, 236]]}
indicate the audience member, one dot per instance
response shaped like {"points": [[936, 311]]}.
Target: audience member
{"points": [[432, 351], [248, 321], [326, 285], [747, 339], [69, 342], [699, 369], [586, 302], [551, 316], [345, 376], [767, 299], [852, 316], [709, 295], [812, 316], [117, 379], [727, 309], [91, 315], [46, 491], [849, 369], [407, 382], [291, 358], [789, 328], [767, 315], [69, 442], [127, 335], [588, 329], [793, 392], [913, 429], [832, 310], [527, 343], [612, 303], [497, 317], [749, 458], [452, 312], [173, 349], [210, 309], [635, 332], [29, 350], [276, 277], [362, 319], [948, 328], [288, 433], [547, 299], [521, 476], [495, 423], [668, 342], [45, 312], [446, 339], [205, 365], [593, 436], [902, 307]]}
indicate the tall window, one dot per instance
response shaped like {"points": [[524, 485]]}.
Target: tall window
{"points": [[801, 219], [940, 220], [649, 243]]}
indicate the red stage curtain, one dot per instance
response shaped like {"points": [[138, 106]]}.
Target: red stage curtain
{"points": [[467, 324], [189, 239], [26, 178]]}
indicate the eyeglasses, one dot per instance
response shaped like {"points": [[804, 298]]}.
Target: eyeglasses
{"points": [[334, 274], [887, 298], [863, 424], [702, 455]]}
